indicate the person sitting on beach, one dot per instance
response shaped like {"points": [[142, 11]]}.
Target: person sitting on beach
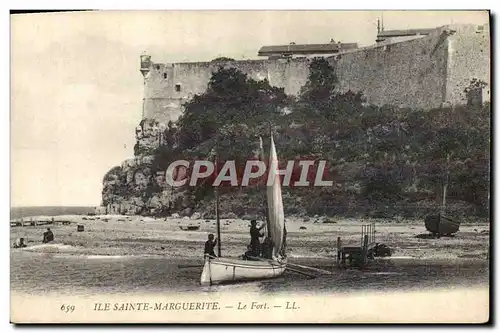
{"points": [[254, 237], [19, 243], [267, 248], [210, 245], [48, 236]]}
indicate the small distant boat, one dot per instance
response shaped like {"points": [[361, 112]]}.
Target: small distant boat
{"points": [[440, 224], [190, 227], [218, 270]]}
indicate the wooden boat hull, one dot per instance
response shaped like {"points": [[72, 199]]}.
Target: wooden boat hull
{"points": [[227, 270], [190, 228], [441, 225]]}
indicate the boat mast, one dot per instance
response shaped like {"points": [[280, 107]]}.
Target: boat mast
{"points": [[266, 211], [266, 202], [445, 187], [266, 208], [217, 219]]}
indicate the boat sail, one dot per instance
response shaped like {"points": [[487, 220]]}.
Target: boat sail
{"points": [[218, 270], [276, 214]]}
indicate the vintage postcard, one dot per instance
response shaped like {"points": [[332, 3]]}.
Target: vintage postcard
{"points": [[250, 167]]}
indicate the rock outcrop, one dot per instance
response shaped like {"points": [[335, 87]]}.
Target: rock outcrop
{"points": [[137, 186]]}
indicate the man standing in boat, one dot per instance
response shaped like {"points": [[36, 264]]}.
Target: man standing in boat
{"points": [[255, 235], [210, 246]]}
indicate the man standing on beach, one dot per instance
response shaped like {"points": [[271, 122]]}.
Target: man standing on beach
{"points": [[210, 246]]}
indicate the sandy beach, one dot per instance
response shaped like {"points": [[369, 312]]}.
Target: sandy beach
{"points": [[127, 258], [137, 235]]}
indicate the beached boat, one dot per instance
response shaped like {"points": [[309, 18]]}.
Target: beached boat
{"points": [[190, 227], [218, 270], [440, 224], [226, 270]]}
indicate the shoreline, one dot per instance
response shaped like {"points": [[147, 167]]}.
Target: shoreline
{"points": [[136, 235]]}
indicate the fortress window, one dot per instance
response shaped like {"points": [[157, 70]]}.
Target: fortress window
{"points": [[164, 75], [177, 87]]}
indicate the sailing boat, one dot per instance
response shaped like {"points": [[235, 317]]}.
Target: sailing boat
{"points": [[218, 270], [440, 224]]}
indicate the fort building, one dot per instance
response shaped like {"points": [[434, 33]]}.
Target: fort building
{"points": [[418, 68]]}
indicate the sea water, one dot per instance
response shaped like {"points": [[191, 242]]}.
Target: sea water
{"points": [[78, 274]]}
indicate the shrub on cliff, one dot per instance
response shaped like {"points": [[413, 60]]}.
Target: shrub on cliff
{"points": [[222, 59], [112, 174]]}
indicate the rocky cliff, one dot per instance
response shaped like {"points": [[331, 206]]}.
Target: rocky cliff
{"points": [[136, 187]]}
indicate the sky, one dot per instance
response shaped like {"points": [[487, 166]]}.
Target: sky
{"points": [[76, 89]]}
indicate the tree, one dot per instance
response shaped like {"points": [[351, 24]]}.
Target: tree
{"points": [[231, 97], [222, 59], [473, 92], [321, 97], [321, 84]]}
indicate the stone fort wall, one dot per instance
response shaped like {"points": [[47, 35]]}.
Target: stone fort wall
{"points": [[424, 72], [469, 58]]}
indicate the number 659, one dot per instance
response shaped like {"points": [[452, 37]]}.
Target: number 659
{"points": [[67, 308]]}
